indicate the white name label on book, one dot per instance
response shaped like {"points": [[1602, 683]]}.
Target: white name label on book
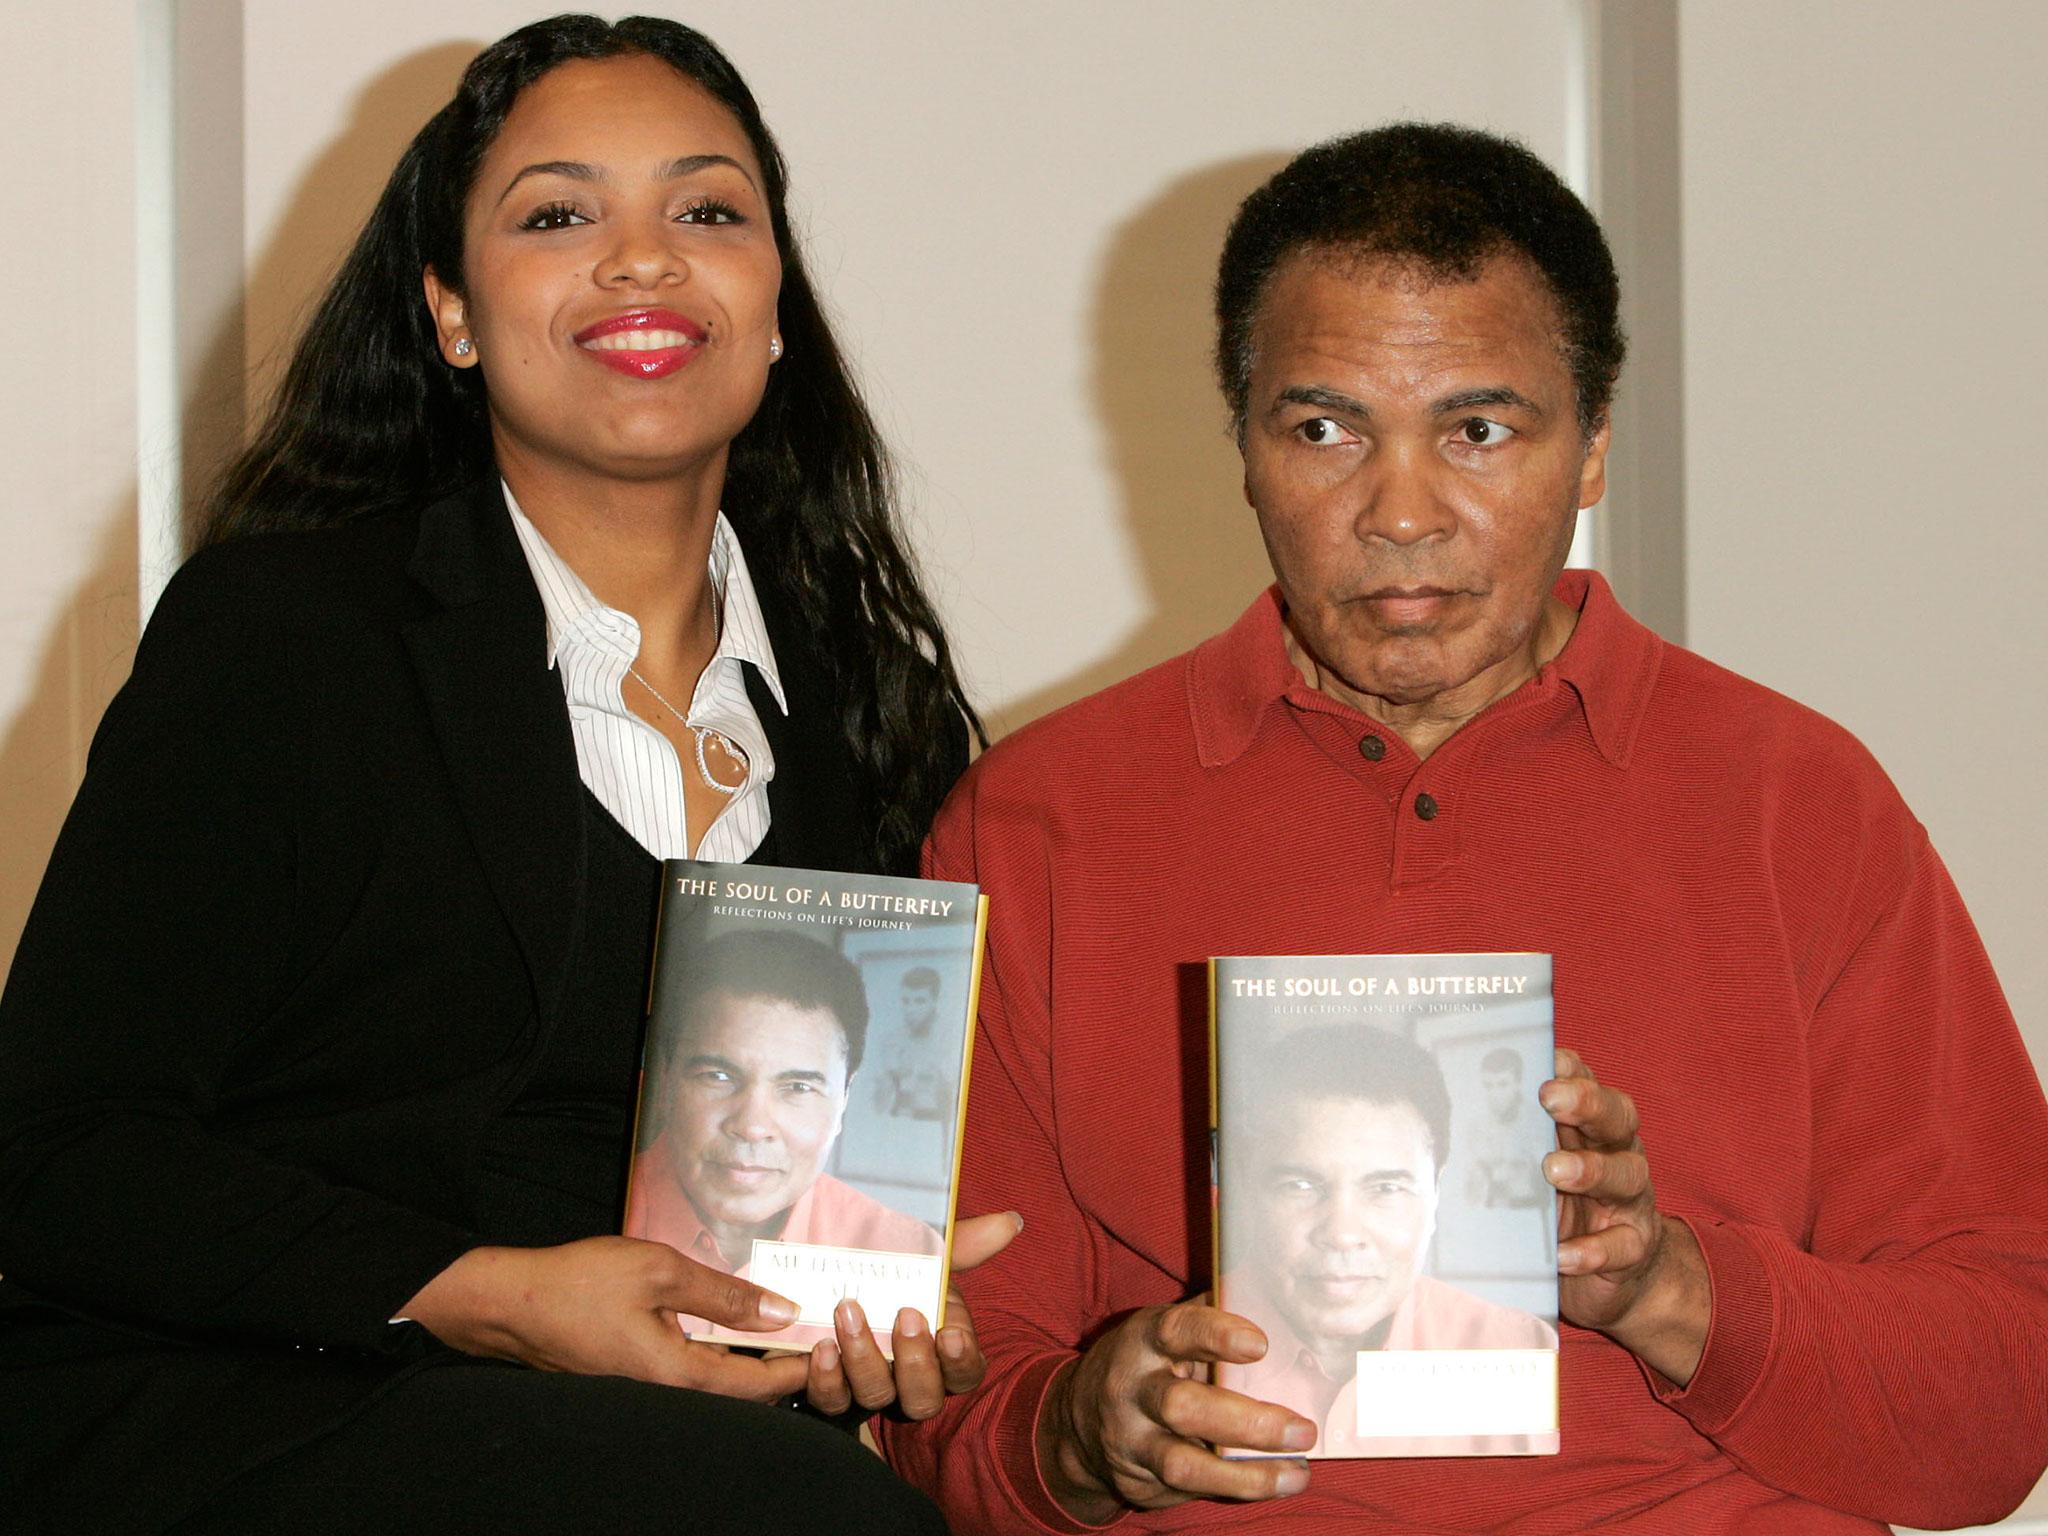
{"points": [[1457, 1391], [817, 1277]]}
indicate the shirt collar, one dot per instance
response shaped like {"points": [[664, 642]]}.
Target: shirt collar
{"points": [[742, 632], [570, 605], [1610, 663]]}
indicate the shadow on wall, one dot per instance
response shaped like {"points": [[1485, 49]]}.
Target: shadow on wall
{"points": [[1164, 428], [42, 756], [331, 203]]}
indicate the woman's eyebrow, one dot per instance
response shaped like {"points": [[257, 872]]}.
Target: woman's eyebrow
{"points": [[687, 164], [577, 170]]}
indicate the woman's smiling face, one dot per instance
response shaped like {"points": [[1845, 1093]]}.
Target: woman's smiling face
{"points": [[621, 275]]}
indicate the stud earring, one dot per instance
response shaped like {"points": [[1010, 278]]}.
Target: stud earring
{"points": [[462, 346], [775, 350]]}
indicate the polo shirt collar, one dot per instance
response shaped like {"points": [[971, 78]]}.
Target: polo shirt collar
{"points": [[1610, 663]]}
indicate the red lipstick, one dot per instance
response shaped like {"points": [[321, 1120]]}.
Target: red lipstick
{"points": [[643, 343]]}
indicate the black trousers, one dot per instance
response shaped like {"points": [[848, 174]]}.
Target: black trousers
{"points": [[480, 1447]]}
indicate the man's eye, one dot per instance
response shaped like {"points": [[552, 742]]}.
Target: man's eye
{"points": [[1483, 433], [1322, 431], [553, 216]]}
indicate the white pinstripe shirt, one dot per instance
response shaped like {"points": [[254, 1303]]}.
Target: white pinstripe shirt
{"points": [[631, 767]]}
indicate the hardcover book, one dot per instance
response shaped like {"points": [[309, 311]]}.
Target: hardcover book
{"points": [[801, 1087], [1381, 1208]]}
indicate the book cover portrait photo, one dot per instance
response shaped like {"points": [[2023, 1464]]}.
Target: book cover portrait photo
{"points": [[801, 1086], [1382, 1211]]}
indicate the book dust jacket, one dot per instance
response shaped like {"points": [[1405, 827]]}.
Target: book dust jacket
{"points": [[1381, 1208], [802, 1085]]}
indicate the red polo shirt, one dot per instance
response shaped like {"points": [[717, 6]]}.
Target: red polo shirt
{"points": [[1752, 937]]}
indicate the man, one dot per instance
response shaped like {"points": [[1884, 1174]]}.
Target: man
{"points": [[1333, 1161], [753, 1092], [1819, 1301], [912, 1083], [1502, 1174]]}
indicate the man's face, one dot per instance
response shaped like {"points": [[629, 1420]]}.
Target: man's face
{"points": [[759, 1095], [1503, 1093], [1414, 455], [920, 1007], [1346, 1198]]}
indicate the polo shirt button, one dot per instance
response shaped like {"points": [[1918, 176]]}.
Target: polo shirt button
{"points": [[1425, 807], [1374, 748]]}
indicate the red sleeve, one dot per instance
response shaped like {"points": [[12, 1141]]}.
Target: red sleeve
{"points": [[1894, 1364], [1033, 1304]]}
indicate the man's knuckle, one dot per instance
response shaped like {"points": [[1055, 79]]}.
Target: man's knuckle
{"points": [[1136, 1489], [1176, 1401], [1168, 1326], [1178, 1464]]}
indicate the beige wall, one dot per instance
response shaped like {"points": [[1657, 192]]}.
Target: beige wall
{"points": [[67, 417]]}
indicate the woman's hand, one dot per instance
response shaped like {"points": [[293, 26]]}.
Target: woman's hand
{"points": [[606, 1306], [852, 1368]]}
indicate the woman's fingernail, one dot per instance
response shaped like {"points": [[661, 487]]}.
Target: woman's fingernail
{"points": [[953, 1343], [1298, 1436], [778, 1309], [828, 1356], [909, 1324], [1292, 1479], [849, 1315]]}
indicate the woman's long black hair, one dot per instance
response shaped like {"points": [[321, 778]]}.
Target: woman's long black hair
{"points": [[370, 420]]}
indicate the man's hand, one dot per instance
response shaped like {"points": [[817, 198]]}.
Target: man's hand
{"points": [[1628, 1271], [606, 1306], [852, 1368], [1126, 1423]]}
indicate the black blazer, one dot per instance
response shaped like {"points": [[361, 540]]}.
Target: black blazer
{"points": [[302, 937]]}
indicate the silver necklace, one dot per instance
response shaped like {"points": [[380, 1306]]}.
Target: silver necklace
{"points": [[703, 734]]}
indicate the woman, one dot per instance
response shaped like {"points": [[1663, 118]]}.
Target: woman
{"points": [[317, 1060]]}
